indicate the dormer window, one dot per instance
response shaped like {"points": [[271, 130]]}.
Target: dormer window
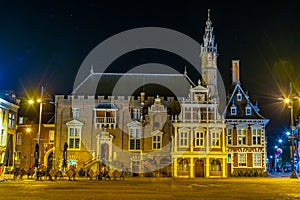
{"points": [[239, 97], [233, 110], [248, 110]]}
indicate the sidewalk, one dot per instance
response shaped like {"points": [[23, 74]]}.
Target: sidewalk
{"points": [[281, 174]]}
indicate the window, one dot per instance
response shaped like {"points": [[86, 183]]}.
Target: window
{"points": [[215, 165], [256, 159], [229, 136], [199, 139], [248, 110], [74, 137], [72, 163], [241, 136], [51, 137], [75, 112], [233, 110], [11, 121], [135, 139], [256, 136], [19, 138], [215, 139], [136, 114], [156, 142], [21, 120], [242, 159], [183, 139], [239, 97], [183, 165]]}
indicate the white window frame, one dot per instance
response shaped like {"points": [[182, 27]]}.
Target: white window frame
{"points": [[199, 138], [242, 159], [183, 138], [239, 97], [157, 141], [257, 134], [229, 135], [233, 110], [51, 137], [241, 136], [75, 112], [19, 138], [134, 138], [215, 138], [76, 136], [257, 159], [248, 111]]}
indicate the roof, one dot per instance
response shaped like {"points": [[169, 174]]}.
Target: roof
{"points": [[106, 105], [241, 106], [126, 84]]}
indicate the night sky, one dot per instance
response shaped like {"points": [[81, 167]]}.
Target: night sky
{"points": [[45, 42]]}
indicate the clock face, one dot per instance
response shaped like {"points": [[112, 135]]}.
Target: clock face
{"points": [[156, 124]]}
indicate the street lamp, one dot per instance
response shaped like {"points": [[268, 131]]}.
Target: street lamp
{"points": [[37, 146], [290, 101]]}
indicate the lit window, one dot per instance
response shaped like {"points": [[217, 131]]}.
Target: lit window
{"points": [[199, 139], [242, 159], [256, 159], [74, 137], [241, 136], [256, 136], [21, 120], [229, 136], [11, 121], [215, 139], [19, 138], [135, 139]]}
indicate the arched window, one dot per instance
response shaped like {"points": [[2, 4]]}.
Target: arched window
{"points": [[215, 165]]}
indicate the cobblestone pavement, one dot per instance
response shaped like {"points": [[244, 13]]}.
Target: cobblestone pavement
{"points": [[153, 188]]}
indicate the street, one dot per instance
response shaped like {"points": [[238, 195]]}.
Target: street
{"points": [[153, 188]]}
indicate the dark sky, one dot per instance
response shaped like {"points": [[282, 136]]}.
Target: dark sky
{"points": [[44, 42]]}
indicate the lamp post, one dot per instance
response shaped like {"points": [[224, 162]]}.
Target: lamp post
{"points": [[37, 158], [290, 101]]}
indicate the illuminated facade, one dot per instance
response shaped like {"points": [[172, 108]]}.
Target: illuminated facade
{"points": [[8, 116], [245, 131]]}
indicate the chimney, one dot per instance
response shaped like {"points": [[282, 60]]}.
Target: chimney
{"points": [[235, 72]]}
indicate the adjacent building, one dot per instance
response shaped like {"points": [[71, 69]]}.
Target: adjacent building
{"points": [[8, 117], [245, 131]]}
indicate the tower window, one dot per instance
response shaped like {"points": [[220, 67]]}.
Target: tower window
{"points": [[239, 97], [233, 110]]}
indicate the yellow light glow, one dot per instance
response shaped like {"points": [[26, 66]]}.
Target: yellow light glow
{"points": [[286, 100], [31, 101], [39, 100], [28, 130]]}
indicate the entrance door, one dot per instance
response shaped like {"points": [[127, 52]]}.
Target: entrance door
{"points": [[104, 152], [199, 168]]}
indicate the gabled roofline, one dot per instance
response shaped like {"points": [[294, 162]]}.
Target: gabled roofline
{"points": [[132, 74]]}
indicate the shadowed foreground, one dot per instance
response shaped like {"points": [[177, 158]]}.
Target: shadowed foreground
{"points": [[154, 188]]}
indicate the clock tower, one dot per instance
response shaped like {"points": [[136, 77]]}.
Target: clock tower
{"points": [[209, 60]]}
